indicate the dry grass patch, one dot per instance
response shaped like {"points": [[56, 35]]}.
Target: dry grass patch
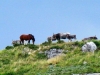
{"points": [[56, 59]]}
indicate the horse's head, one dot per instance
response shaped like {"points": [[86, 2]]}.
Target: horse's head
{"points": [[95, 37], [54, 35], [67, 35], [32, 37]]}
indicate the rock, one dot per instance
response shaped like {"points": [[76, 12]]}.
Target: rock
{"points": [[53, 52], [26, 50], [89, 47]]}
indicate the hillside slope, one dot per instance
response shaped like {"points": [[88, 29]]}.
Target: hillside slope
{"points": [[20, 60]]}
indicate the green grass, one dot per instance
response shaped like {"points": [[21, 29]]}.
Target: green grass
{"points": [[14, 62]]}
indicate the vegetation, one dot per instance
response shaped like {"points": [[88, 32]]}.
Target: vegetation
{"points": [[14, 60], [9, 47]]}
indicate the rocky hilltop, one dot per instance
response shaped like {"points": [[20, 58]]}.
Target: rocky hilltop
{"points": [[66, 58]]}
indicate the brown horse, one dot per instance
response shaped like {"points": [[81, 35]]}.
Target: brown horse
{"points": [[27, 37]]}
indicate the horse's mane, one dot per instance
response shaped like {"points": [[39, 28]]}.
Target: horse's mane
{"points": [[32, 36]]}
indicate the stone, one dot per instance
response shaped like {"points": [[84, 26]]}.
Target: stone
{"points": [[53, 52], [89, 47]]}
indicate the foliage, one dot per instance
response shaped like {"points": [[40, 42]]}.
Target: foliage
{"points": [[5, 61], [54, 70], [15, 62], [15, 45], [9, 47], [97, 43], [40, 56], [80, 44], [60, 41], [46, 43], [56, 47], [31, 46]]}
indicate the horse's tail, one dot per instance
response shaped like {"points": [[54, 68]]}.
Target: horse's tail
{"points": [[75, 36]]}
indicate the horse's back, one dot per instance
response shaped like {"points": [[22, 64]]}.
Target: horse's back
{"points": [[24, 37]]}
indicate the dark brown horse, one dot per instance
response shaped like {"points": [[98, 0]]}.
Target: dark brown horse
{"points": [[27, 37], [59, 36], [56, 36], [70, 37], [90, 38]]}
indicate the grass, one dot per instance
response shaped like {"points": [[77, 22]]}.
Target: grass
{"points": [[14, 62]]}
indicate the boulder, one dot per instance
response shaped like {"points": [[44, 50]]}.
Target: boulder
{"points": [[89, 47], [53, 52]]}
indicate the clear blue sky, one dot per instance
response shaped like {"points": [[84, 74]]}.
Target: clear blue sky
{"points": [[42, 18]]}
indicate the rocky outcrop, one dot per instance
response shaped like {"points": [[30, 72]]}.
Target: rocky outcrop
{"points": [[89, 47], [53, 52]]}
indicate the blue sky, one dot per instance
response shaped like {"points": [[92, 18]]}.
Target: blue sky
{"points": [[42, 18]]}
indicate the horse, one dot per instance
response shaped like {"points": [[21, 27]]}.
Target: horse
{"points": [[59, 36], [27, 37], [63, 35], [70, 37], [51, 39], [90, 38], [56, 36], [93, 37]]}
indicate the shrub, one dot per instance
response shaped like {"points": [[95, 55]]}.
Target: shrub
{"points": [[31, 46], [40, 55], [46, 43], [15, 45], [9, 47], [80, 44], [8, 73], [97, 43], [76, 43], [56, 47], [60, 41], [5, 61]]}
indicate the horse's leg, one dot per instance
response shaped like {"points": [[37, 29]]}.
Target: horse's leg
{"points": [[70, 40], [33, 42], [28, 41], [22, 41], [75, 39]]}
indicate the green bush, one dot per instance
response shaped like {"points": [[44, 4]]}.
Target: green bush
{"points": [[8, 73], [60, 41], [80, 44], [46, 43], [5, 61], [97, 43], [56, 47], [40, 55], [9, 47], [31, 46], [15, 45]]}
